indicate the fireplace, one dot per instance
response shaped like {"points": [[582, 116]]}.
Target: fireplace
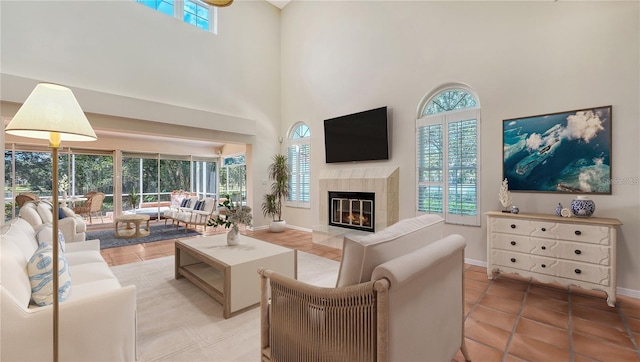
{"points": [[352, 210]]}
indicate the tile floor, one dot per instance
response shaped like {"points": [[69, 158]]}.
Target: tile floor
{"points": [[507, 319]]}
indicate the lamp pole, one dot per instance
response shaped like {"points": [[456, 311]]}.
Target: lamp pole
{"points": [[54, 143]]}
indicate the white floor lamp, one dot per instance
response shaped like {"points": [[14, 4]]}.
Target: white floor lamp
{"points": [[52, 112]]}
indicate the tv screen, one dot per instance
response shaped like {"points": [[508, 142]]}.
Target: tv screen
{"points": [[360, 136]]}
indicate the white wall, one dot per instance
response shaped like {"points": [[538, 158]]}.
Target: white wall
{"points": [[124, 59], [522, 58]]}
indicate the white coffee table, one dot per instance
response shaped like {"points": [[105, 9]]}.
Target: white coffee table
{"points": [[229, 274]]}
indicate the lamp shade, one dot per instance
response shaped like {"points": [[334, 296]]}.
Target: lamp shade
{"points": [[51, 108]]}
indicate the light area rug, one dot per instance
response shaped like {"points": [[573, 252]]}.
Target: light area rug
{"points": [[179, 322]]}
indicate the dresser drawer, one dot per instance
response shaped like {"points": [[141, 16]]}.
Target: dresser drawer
{"points": [[587, 253], [583, 252], [592, 234], [584, 272], [512, 226], [512, 259], [565, 269], [512, 242]]}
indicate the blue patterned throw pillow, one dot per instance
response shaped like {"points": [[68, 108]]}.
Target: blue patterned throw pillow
{"points": [[199, 205], [184, 203], [40, 275]]}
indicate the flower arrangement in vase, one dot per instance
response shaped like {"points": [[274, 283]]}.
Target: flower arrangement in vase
{"points": [[234, 215], [63, 185]]}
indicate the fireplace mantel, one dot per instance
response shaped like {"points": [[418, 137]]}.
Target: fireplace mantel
{"points": [[383, 181]]}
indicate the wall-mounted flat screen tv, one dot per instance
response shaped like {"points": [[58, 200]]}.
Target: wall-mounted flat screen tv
{"points": [[361, 136]]}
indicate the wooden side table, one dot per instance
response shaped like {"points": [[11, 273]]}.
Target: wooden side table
{"points": [[129, 231]]}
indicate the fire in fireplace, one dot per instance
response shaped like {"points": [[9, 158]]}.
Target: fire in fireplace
{"points": [[353, 210]]}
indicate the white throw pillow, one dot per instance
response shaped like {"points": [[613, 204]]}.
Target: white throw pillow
{"points": [[45, 235], [40, 275]]}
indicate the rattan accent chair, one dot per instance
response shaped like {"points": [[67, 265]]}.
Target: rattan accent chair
{"points": [[302, 322], [412, 309], [92, 206], [26, 197]]}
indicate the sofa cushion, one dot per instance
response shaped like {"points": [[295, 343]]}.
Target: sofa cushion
{"points": [[41, 276], [91, 272], [29, 213], [361, 254], [15, 278], [20, 233], [44, 210]]}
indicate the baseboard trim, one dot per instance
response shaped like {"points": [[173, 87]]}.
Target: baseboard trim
{"points": [[631, 293], [299, 228], [475, 262], [266, 227]]}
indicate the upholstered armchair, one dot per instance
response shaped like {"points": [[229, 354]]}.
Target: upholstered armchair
{"points": [[400, 299]]}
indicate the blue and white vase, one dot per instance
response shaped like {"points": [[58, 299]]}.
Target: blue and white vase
{"points": [[582, 206], [559, 210]]}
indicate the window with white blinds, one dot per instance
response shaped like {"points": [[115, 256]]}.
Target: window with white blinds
{"points": [[298, 157], [448, 157]]}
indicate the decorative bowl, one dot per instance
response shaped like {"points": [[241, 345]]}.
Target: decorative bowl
{"points": [[582, 206]]}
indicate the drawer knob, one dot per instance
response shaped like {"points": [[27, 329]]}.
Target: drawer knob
{"points": [[578, 252], [513, 226], [578, 232], [544, 247], [513, 260], [578, 271], [544, 265], [513, 243], [544, 229]]}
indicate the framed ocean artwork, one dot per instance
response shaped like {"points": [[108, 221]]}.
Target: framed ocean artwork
{"points": [[564, 152]]}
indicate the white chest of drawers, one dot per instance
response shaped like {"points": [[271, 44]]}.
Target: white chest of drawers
{"points": [[553, 249]]}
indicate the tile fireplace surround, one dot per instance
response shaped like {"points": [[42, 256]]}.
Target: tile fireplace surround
{"points": [[383, 181]]}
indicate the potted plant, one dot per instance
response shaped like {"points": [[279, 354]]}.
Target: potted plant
{"points": [[133, 199], [279, 173], [234, 215]]}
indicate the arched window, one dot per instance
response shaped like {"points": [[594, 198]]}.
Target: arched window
{"points": [[298, 157], [448, 144]]}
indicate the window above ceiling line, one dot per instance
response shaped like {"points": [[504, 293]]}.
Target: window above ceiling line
{"points": [[192, 12]]}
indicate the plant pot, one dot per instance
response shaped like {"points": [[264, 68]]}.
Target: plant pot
{"points": [[233, 237], [277, 226]]}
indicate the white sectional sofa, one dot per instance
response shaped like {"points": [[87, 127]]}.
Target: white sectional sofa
{"points": [[97, 322]]}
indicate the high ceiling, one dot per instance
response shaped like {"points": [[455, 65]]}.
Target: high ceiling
{"points": [[279, 3]]}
